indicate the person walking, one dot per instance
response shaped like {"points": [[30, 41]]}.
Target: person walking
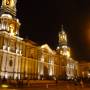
{"points": [[81, 83]]}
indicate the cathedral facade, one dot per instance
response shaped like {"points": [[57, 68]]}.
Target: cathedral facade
{"points": [[25, 59]]}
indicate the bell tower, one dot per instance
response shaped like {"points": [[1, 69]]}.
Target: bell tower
{"points": [[62, 37], [8, 20], [9, 7], [63, 47]]}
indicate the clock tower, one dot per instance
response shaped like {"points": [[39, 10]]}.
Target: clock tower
{"points": [[8, 20]]}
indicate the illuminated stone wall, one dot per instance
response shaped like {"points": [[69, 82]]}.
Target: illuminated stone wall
{"points": [[25, 59], [84, 69]]}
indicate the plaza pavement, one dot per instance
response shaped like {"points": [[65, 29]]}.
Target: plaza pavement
{"points": [[52, 85]]}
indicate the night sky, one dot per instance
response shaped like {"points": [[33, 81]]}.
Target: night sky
{"points": [[41, 21]]}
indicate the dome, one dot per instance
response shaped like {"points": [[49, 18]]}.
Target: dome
{"points": [[6, 16]]}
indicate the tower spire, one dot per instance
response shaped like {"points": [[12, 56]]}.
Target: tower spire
{"points": [[62, 27]]}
